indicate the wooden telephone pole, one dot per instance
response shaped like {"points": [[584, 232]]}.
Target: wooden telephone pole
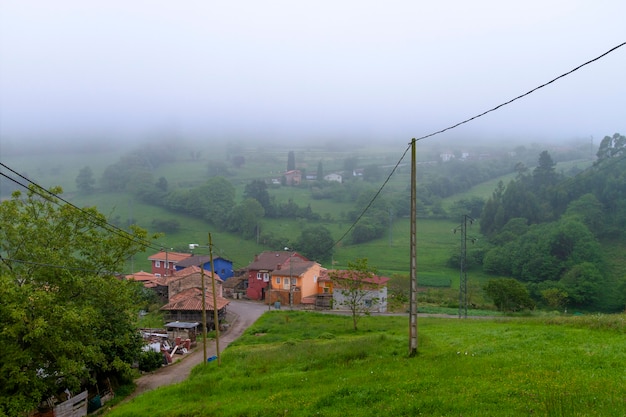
{"points": [[413, 267]]}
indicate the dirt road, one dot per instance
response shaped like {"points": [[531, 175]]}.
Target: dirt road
{"points": [[241, 315]]}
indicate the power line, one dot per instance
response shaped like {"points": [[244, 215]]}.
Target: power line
{"points": [[97, 222], [464, 122], [523, 95]]}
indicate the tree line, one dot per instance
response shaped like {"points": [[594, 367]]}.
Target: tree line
{"points": [[544, 230]]}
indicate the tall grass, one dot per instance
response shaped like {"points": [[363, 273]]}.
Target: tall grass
{"points": [[303, 364]]}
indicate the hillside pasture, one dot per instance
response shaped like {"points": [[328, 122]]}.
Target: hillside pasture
{"points": [[293, 363]]}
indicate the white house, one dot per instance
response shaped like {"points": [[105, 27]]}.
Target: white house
{"points": [[333, 177]]}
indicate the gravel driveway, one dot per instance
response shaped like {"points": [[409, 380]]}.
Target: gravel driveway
{"points": [[240, 314]]}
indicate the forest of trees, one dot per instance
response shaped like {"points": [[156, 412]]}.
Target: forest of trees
{"points": [[545, 229]]}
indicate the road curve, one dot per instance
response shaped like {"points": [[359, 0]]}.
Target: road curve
{"points": [[242, 315]]}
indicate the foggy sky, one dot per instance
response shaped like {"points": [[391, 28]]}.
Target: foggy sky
{"points": [[379, 70]]}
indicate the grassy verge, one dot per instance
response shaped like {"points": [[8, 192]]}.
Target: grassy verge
{"points": [[303, 364]]}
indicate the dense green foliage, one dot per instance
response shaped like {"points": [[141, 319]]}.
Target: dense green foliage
{"points": [[67, 321], [545, 229], [304, 364], [508, 294], [150, 360]]}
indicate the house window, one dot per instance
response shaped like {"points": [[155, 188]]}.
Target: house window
{"points": [[368, 303], [314, 278], [286, 283], [325, 290], [278, 280], [258, 275], [157, 264], [266, 277], [157, 275]]}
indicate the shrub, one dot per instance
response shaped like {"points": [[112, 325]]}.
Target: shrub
{"points": [[150, 360]]}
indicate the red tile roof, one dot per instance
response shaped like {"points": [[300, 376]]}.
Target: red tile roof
{"points": [[271, 260], [191, 300], [169, 256], [190, 270]]}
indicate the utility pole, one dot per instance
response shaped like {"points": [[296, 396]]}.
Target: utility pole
{"points": [[413, 255], [203, 313], [215, 313], [463, 277]]}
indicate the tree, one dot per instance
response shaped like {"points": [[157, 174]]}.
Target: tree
{"points": [[356, 285], [554, 297], [257, 190], [66, 319], [316, 242], [582, 283], [291, 161], [611, 147], [85, 180], [245, 218], [214, 200], [320, 171], [508, 294]]}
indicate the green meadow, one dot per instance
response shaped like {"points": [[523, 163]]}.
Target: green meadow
{"points": [[295, 363]]}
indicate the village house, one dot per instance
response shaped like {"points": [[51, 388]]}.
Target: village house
{"points": [[374, 297], [164, 263], [223, 267], [294, 282], [261, 268], [185, 296], [152, 282], [293, 177], [334, 177]]}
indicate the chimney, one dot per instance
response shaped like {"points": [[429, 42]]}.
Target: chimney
{"points": [[278, 267]]}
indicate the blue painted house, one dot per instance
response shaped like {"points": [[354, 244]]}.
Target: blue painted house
{"points": [[223, 267]]}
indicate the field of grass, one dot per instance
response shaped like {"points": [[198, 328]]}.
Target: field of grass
{"points": [[292, 363]]}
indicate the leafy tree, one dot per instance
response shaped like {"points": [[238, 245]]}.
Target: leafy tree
{"points": [[291, 161], [316, 242], [582, 283], [589, 210], [508, 294], [150, 360], [349, 165], [215, 200], [320, 171], [66, 319], [472, 207], [355, 286], [611, 146], [544, 174], [257, 189], [85, 181], [554, 297], [245, 218]]}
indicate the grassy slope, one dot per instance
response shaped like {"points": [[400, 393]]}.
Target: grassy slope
{"points": [[303, 364], [390, 254]]}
